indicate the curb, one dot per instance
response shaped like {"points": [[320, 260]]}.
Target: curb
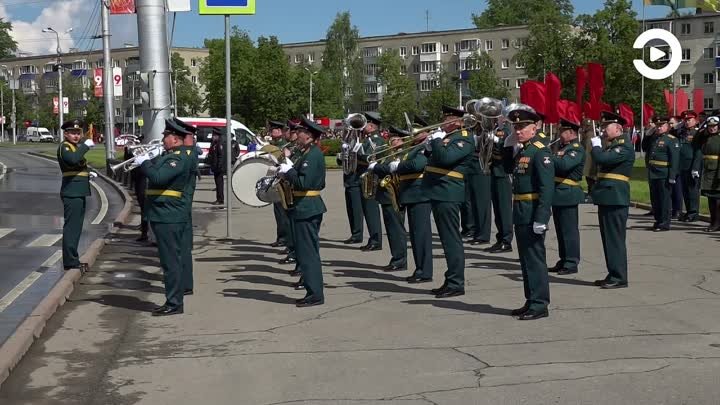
{"points": [[15, 347]]}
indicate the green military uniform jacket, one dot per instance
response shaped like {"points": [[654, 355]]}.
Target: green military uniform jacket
{"points": [[707, 151], [192, 162], [167, 177], [662, 161], [533, 184], [544, 139], [76, 177], [449, 162], [502, 162], [687, 149], [307, 179], [569, 163], [410, 174], [615, 163]]}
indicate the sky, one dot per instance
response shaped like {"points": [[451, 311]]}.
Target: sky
{"points": [[289, 20]]}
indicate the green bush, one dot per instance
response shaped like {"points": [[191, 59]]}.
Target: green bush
{"points": [[331, 147]]}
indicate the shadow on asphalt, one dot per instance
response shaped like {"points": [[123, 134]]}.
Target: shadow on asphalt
{"points": [[262, 268], [367, 274], [379, 286], [122, 301], [259, 295], [492, 266], [462, 306], [258, 279], [552, 279]]}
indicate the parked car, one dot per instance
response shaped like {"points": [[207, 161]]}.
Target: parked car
{"points": [[242, 134], [39, 134]]}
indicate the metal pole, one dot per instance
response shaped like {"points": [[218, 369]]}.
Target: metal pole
{"points": [[2, 113], [311, 91], [642, 86], [108, 84], [174, 93], [13, 117], [61, 105], [674, 84], [228, 128], [134, 77]]}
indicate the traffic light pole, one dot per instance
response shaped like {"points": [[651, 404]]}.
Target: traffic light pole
{"points": [[228, 129], [108, 84]]}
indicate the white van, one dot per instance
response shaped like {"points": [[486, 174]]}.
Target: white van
{"points": [[242, 134], [39, 134]]}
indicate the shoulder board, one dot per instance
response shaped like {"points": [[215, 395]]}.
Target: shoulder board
{"points": [[541, 135], [539, 144], [464, 133], [621, 141], [670, 136], [188, 152], [576, 145], [70, 146], [177, 152]]}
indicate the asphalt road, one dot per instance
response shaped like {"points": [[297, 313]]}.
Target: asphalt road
{"points": [[31, 221]]}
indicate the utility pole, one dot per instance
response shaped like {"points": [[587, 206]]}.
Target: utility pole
{"points": [[108, 87], [154, 61], [311, 93], [59, 65], [427, 20], [134, 77]]}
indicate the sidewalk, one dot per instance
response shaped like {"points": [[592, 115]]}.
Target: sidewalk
{"points": [[379, 340]]}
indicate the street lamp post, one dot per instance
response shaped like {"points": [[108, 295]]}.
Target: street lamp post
{"points": [[13, 85], [61, 106], [311, 92]]}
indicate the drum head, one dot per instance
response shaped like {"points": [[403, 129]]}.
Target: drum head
{"points": [[245, 177]]}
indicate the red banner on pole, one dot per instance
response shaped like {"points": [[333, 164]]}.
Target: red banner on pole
{"points": [[648, 113], [98, 80], [553, 90], [699, 100], [626, 112], [682, 100], [581, 75], [122, 6], [532, 93], [669, 97]]}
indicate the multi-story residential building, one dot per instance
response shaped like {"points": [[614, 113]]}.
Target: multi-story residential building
{"points": [[38, 75], [427, 53]]}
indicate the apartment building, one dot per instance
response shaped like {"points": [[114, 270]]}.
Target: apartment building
{"points": [[37, 75], [427, 53]]}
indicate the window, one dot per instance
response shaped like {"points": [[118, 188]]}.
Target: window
{"points": [[48, 67], [415, 50], [506, 83], [685, 79], [457, 66], [519, 64], [708, 53], [134, 60], [505, 44], [505, 64], [115, 63], [370, 52], [457, 47], [686, 55], [519, 82], [428, 85], [708, 103], [709, 78], [430, 47], [51, 82], [468, 45], [371, 88], [299, 58], [403, 51], [403, 69], [118, 112], [193, 79], [685, 29], [445, 48], [709, 27], [489, 45], [193, 62], [416, 68], [428, 67], [371, 69], [28, 69], [469, 64], [311, 57]]}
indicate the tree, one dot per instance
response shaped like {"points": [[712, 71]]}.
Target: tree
{"points": [[446, 93], [271, 81], [517, 12], [399, 96], [484, 81], [188, 94], [8, 46]]}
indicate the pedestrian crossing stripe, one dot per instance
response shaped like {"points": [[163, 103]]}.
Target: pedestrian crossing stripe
{"points": [[5, 231]]}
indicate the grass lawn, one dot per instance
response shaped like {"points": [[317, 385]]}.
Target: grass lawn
{"points": [[95, 157]]}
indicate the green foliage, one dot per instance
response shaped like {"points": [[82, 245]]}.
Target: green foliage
{"points": [[484, 82], [333, 146], [8, 46], [445, 94], [188, 93], [517, 12], [399, 96]]}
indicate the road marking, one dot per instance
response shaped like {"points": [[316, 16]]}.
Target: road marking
{"points": [[52, 259], [45, 240], [10, 297], [5, 231], [3, 170], [103, 204]]}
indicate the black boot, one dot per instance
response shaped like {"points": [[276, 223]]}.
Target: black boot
{"points": [[714, 208]]}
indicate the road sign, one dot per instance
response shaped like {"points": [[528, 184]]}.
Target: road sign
{"points": [[66, 105], [226, 7], [98, 80], [117, 82]]}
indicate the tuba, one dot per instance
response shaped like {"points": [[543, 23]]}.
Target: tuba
{"points": [[354, 124], [489, 112], [391, 184]]}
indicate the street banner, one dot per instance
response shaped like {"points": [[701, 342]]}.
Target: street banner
{"points": [[626, 112], [532, 93], [98, 80], [698, 100], [66, 105], [648, 113], [117, 82], [122, 6], [581, 76], [56, 108], [553, 88], [668, 101]]}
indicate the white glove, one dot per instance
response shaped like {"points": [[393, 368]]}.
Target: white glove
{"points": [[153, 153], [371, 165], [142, 159], [671, 181], [357, 147], [89, 143], [345, 146], [437, 135], [510, 140], [394, 165], [695, 174], [539, 228], [93, 175], [285, 167], [492, 136], [596, 141]]}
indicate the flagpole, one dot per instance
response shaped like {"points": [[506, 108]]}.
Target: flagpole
{"points": [[642, 84], [672, 31]]}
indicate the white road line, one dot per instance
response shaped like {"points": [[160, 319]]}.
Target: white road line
{"points": [[5, 231], [52, 259], [3, 170], [10, 297], [103, 204], [45, 240]]}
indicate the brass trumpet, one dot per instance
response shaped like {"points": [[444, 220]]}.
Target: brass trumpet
{"points": [[155, 146]]}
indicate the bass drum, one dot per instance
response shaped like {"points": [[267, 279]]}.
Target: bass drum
{"points": [[246, 175]]}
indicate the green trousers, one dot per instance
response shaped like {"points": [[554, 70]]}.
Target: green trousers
{"points": [[568, 235], [501, 192], [281, 223], [187, 260], [447, 221], [290, 241], [307, 246], [397, 239], [421, 238], [480, 204], [467, 221], [531, 248], [353, 205], [170, 245], [613, 230], [660, 199], [691, 192], [74, 213], [371, 211]]}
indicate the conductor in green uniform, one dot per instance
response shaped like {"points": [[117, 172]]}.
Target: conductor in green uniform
{"points": [[569, 163], [611, 194], [501, 193], [662, 165], [370, 206], [533, 190], [449, 153], [307, 178], [167, 211], [190, 149], [75, 187], [707, 151]]}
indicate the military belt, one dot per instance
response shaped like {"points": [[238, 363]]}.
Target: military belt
{"points": [[72, 174], [613, 176], [361, 163], [444, 172], [526, 197], [659, 163], [710, 157], [411, 176], [164, 193], [569, 182], [497, 157], [308, 193]]}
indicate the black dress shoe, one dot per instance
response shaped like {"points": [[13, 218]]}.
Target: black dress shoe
{"points": [[287, 260], [442, 288], [661, 229], [295, 273], [414, 279], [555, 268], [712, 228], [476, 242], [531, 315], [392, 267], [300, 284], [675, 215], [466, 234], [166, 310], [277, 243], [565, 272], [370, 247], [188, 292], [520, 311], [449, 293], [142, 238], [598, 283], [309, 301], [611, 285], [682, 217], [500, 248], [691, 218], [351, 241]]}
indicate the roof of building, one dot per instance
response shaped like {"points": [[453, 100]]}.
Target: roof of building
{"points": [[80, 54]]}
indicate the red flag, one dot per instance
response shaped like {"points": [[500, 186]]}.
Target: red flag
{"points": [[605, 106], [122, 6], [626, 112], [648, 113], [699, 100], [682, 102], [668, 101], [581, 76], [552, 97], [532, 93], [596, 81], [569, 111]]}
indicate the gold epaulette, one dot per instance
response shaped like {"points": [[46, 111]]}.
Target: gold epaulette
{"points": [[622, 141], [576, 145], [670, 136], [464, 133], [539, 144]]}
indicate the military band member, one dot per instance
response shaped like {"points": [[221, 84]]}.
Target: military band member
{"points": [[307, 177], [397, 239], [707, 150], [353, 200], [501, 193], [449, 159], [139, 184], [292, 152], [540, 132], [662, 163], [190, 150], [690, 185], [676, 198], [533, 189], [477, 190], [167, 212], [75, 187], [281, 219], [370, 207], [590, 170], [612, 196], [569, 163]]}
